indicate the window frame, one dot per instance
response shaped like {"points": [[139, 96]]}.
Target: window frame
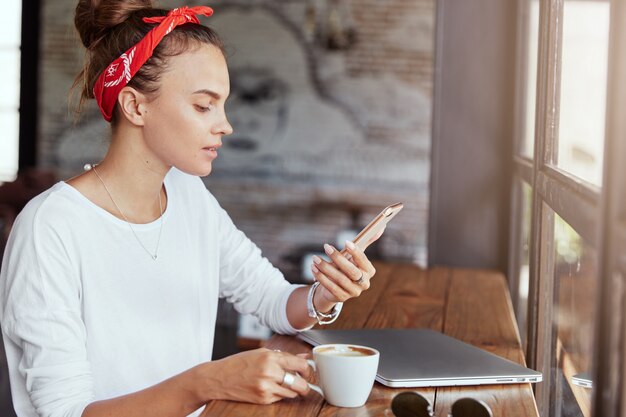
{"points": [[522, 170], [29, 84], [591, 210], [610, 348], [12, 110]]}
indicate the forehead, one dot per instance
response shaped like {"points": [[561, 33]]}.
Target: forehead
{"points": [[203, 67]]}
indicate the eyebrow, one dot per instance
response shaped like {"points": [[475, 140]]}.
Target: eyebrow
{"points": [[213, 94]]}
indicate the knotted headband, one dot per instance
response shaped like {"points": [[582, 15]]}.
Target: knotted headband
{"points": [[119, 72]]}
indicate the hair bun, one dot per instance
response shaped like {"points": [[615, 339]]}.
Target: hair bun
{"points": [[94, 18]]}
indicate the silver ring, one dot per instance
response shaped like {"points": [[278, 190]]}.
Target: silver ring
{"points": [[288, 379], [360, 280]]}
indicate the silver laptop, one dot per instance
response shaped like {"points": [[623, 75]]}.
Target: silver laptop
{"points": [[425, 358], [583, 380]]}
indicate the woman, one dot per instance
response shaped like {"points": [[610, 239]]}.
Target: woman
{"points": [[110, 280]]}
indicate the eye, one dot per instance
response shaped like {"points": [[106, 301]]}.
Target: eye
{"points": [[203, 109]]}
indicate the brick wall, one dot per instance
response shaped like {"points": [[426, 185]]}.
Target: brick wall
{"points": [[343, 133]]}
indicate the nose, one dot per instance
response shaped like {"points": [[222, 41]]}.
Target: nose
{"points": [[228, 129], [224, 128]]}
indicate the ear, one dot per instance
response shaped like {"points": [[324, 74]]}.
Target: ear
{"points": [[131, 105]]}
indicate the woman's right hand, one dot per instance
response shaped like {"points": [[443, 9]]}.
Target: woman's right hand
{"points": [[256, 376]]}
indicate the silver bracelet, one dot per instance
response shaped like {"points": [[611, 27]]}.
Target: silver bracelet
{"points": [[322, 318]]}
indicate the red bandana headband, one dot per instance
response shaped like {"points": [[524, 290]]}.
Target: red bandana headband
{"points": [[119, 72]]}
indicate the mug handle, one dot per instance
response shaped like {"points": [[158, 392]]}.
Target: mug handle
{"points": [[313, 386]]}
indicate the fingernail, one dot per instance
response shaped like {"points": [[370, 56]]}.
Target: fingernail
{"points": [[350, 244], [314, 269], [317, 259], [328, 249]]}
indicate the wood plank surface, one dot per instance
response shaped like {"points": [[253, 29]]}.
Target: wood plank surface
{"points": [[482, 297], [413, 298], [504, 400], [309, 406], [471, 305], [353, 315]]}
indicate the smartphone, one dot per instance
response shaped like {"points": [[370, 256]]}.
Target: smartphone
{"points": [[376, 225]]}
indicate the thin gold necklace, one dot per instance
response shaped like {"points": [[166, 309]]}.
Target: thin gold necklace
{"points": [[156, 250]]}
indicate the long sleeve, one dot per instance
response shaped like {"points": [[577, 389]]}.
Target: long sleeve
{"points": [[41, 322], [249, 280], [85, 313]]}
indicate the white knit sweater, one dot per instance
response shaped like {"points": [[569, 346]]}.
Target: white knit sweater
{"points": [[87, 314]]}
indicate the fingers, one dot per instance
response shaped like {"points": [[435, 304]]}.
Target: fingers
{"points": [[351, 270], [297, 367], [286, 392], [337, 294], [298, 387], [295, 363], [340, 286], [343, 278], [360, 259], [264, 376]]}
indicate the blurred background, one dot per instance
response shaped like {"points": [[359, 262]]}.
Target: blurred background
{"points": [[340, 108]]}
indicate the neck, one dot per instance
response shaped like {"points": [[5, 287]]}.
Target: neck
{"points": [[133, 175]]}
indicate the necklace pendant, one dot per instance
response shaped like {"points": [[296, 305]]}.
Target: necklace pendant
{"points": [[154, 257]]}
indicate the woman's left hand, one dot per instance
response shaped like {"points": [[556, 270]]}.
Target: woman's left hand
{"points": [[344, 278]]}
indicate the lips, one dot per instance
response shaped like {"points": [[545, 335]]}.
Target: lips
{"points": [[212, 150]]}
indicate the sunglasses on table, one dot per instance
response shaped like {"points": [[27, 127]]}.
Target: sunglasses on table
{"points": [[412, 404]]}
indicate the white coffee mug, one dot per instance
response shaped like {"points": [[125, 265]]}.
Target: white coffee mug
{"points": [[346, 373]]}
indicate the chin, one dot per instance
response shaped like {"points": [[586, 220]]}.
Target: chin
{"points": [[197, 170]]}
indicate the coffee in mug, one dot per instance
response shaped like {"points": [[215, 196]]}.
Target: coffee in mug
{"points": [[346, 373], [346, 350]]}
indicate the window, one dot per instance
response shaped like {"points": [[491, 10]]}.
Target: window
{"points": [[575, 284], [522, 190], [522, 262], [583, 88], [569, 203], [531, 34], [10, 40]]}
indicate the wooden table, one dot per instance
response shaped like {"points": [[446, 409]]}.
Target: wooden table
{"points": [[470, 305]]}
